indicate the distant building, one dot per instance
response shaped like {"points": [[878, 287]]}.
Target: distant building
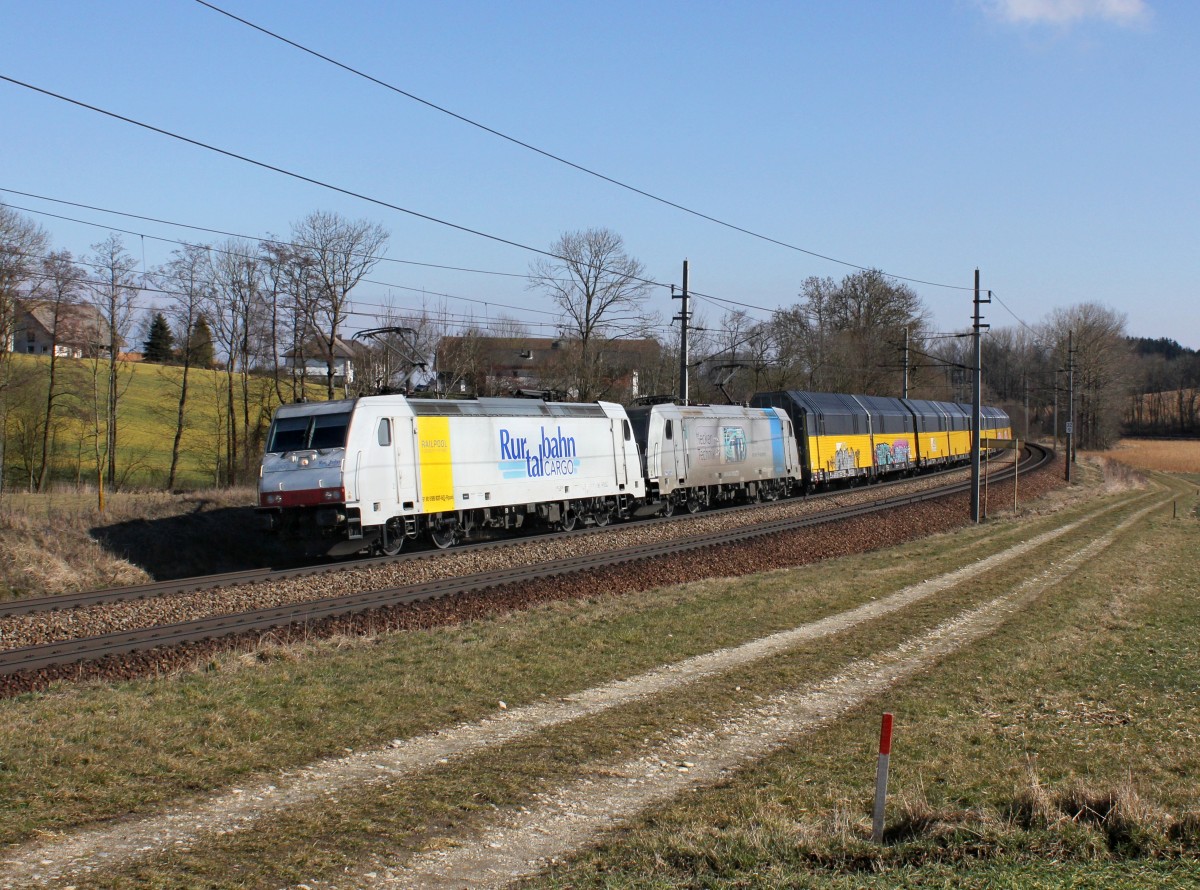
{"points": [[311, 361], [80, 331], [539, 366]]}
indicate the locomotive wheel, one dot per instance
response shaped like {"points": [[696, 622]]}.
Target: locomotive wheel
{"points": [[567, 523], [442, 535], [694, 505], [668, 508], [602, 517], [394, 535]]}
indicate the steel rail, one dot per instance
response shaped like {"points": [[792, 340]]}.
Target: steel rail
{"points": [[67, 601], [32, 658]]}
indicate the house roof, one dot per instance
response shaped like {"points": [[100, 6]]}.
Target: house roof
{"points": [[508, 353], [316, 349], [79, 324]]}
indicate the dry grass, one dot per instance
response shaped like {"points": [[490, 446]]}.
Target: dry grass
{"points": [[1166, 455], [60, 542]]}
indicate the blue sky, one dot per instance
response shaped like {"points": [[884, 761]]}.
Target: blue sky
{"points": [[1055, 144]]}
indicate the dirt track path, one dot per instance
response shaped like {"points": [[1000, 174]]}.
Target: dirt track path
{"points": [[517, 845], [647, 779]]}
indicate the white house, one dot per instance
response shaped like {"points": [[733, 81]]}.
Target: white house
{"points": [[311, 360]]}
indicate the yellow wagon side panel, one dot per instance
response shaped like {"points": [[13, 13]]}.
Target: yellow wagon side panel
{"points": [[836, 456], [960, 443]]}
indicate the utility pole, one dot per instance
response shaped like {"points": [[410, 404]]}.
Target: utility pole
{"points": [[1025, 384], [682, 318], [1056, 373], [906, 361], [977, 398], [1070, 402]]}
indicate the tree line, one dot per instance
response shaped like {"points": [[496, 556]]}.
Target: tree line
{"points": [[238, 305], [272, 315]]}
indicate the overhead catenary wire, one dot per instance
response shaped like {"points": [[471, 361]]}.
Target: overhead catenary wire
{"points": [[382, 310], [263, 239], [217, 249], [550, 155], [283, 171], [281, 242], [386, 204]]}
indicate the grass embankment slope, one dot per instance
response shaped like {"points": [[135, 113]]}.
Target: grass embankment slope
{"points": [[59, 540], [1058, 750]]}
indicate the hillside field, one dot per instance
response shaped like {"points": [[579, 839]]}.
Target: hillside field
{"points": [[146, 418]]}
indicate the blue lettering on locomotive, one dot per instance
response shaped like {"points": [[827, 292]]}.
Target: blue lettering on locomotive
{"points": [[556, 455]]}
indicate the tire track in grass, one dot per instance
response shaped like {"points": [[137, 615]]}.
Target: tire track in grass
{"points": [[517, 845], [82, 852]]}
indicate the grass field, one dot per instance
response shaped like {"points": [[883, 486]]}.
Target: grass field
{"points": [[146, 420], [1164, 455], [1060, 750]]}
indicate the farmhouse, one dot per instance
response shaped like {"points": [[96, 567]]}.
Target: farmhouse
{"points": [[540, 365], [78, 331], [311, 360]]}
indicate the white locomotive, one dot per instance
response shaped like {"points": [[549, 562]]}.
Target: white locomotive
{"points": [[370, 473]]}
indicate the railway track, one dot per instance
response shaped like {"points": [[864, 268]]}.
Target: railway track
{"points": [[29, 659]]}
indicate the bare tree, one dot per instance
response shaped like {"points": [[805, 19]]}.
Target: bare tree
{"points": [[340, 252], [601, 291], [186, 277], [1103, 368], [58, 292], [112, 291], [236, 297], [848, 336], [22, 244], [292, 292]]}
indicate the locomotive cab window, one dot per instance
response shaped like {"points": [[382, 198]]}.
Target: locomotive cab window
{"points": [[329, 431], [288, 434], [384, 432], [625, 428], [667, 431]]}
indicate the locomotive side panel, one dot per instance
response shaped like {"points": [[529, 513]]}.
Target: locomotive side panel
{"points": [[726, 447], [506, 461]]}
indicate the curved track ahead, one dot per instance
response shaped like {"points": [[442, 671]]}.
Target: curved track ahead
{"points": [[33, 658]]}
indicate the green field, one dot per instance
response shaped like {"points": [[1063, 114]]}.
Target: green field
{"points": [[146, 421]]}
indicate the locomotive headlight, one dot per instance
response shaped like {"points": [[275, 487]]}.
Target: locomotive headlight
{"points": [[273, 500], [304, 461], [332, 494]]}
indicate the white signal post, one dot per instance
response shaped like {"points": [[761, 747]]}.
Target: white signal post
{"points": [[881, 777]]}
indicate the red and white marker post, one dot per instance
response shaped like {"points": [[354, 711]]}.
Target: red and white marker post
{"points": [[881, 777]]}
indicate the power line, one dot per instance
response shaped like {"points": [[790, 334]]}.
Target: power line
{"points": [[263, 240], [275, 241], [1036, 336], [383, 311], [299, 176], [466, 120]]}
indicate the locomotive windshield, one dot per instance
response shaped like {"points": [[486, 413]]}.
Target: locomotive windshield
{"points": [[317, 432]]}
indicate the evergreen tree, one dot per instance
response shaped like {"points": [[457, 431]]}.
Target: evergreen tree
{"points": [[159, 341], [202, 345]]}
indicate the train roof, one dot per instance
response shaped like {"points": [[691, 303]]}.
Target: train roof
{"points": [[506, 408]]}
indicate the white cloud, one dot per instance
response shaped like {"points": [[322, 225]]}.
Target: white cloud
{"points": [[1068, 12]]}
